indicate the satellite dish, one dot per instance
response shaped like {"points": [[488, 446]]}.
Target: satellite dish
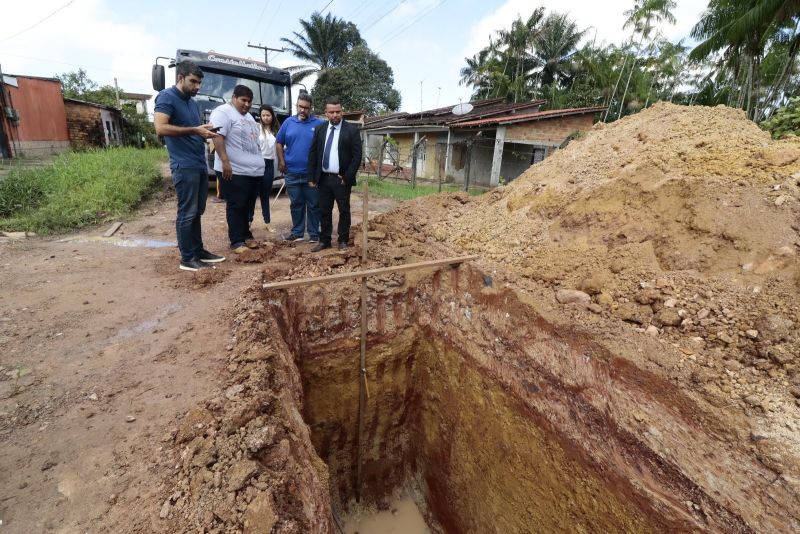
{"points": [[462, 109]]}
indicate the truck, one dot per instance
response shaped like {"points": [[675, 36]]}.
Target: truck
{"points": [[221, 73]]}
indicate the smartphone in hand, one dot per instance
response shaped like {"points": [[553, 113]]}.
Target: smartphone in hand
{"points": [[215, 129]]}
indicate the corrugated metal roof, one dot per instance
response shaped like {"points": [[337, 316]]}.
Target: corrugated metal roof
{"points": [[539, 115], [444, 116]]}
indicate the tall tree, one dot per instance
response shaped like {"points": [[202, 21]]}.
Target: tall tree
{"points": [[554, 46], [517, 41], [362, 80], [323, 43], [740, 34], [641, 18], [76, 83]]}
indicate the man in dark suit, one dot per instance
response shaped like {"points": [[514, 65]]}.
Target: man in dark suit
{"points": [[333, 161]]}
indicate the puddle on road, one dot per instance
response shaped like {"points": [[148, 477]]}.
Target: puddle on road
{"points": [[124, 242], [403, 517]]}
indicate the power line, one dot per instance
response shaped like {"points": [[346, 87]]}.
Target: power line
{"points": [[400, 30], [49, 60], [357, 11], [374, 22], [258, 21], [37, 23], [277, 10], [321, 11]]}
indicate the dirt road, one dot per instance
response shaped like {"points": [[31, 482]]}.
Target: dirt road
{"points": [[103, 346]]}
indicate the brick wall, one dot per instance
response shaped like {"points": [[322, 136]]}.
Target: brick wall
{"points": [[85, 125], [552, 131]]}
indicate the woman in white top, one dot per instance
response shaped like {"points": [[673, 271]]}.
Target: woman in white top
{"points": [[266, 138]]}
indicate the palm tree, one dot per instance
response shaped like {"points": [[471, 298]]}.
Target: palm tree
{"points": [[517, 40], [742, 32], [323, 44], [641, 17], [554, 46]]}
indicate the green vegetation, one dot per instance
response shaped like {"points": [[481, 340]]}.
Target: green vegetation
{"points": [[746, 57], [333, 49], [786, 121], [79, 189], [403, 190], [139, 131]]}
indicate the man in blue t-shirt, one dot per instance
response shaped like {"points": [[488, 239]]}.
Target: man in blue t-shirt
{"points": [[292, 145], [177, 119]]}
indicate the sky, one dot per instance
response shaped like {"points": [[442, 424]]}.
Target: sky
{"points": [[423, 41]]}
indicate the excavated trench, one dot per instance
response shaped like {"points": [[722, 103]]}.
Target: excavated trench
{"points": [[494, 419]]}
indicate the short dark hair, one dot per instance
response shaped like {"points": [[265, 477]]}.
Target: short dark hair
{"points": [[333, 101], [187, 68], [242, 90], [306, 97]]}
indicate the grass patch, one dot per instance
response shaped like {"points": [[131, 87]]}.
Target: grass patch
{"points": [[403, 190], [78, 189]]}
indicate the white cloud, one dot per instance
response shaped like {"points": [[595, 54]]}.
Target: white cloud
{"points": [[605, 19], [85, 34]]}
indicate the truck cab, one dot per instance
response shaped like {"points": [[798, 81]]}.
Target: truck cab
{"points": [[221, 73]]}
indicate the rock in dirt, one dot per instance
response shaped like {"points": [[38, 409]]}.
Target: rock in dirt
{"points": [[573, 296], [634, 313], [240, 473], [166, 508], [260, 516], [774, 328], [194, 424], [668, 317]]}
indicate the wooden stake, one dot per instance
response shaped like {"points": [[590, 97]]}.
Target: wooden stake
{"points": [[362, 383]]}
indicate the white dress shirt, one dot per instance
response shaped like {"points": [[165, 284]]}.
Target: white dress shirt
{"points": [[333, 163]]}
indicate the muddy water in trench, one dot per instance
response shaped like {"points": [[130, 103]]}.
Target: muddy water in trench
{"points": [[440, 426]]}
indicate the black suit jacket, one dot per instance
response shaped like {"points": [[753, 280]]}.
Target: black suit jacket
{"points": [[349, 152]]}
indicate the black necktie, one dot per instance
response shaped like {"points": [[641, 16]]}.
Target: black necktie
{"points": [[326, 156]]}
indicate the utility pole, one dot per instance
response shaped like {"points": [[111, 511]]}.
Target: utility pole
{"points": [[266, 50], [420, 95], [116, 90]]}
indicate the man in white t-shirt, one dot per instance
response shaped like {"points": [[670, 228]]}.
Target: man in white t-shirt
{"points": [[238, 161]]}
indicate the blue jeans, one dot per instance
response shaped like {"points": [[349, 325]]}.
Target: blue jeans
{"points": [[191, 187], [304, 199]]}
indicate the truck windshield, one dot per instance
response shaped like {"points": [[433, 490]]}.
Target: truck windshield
{"points": [[218, 87]]}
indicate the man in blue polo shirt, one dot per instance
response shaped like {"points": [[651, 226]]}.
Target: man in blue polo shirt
{"points": [[292, 146], [177, 119]]}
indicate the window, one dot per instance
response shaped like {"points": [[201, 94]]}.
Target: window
{"points": [[219, 88]]}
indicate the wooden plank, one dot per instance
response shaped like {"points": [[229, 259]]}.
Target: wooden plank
{"points": [[338, 277], [111, 231]]}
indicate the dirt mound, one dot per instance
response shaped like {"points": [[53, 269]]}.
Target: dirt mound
{"points": [[678, 222]]}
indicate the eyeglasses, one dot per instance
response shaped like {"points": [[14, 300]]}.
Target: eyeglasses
{"points": [[306, 108]]}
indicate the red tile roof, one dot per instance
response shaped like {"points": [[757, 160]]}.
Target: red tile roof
{"points": [[538, 115]]}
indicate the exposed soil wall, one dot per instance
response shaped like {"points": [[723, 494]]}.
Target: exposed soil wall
{"points": [[624, 356]]}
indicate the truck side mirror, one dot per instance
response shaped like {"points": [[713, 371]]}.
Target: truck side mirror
{"points": [[158, 77]]}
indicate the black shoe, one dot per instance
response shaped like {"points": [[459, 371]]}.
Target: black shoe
{"points": [[343, 246], [320, 246], [209, 257], [291, 237], [193, 265], [313, 239]]}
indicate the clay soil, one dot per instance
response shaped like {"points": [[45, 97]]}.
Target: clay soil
{"points": [[623, 356], [104, 350]]}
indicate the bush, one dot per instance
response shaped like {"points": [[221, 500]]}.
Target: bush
{"points": [[79, 189], [785, 121]]}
